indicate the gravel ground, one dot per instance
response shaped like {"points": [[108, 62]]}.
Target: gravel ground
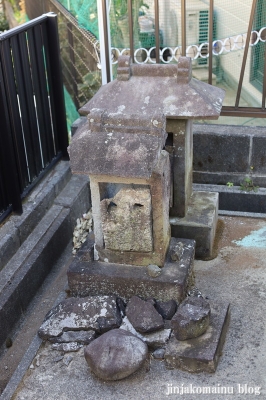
{"points": [[236, 275]]}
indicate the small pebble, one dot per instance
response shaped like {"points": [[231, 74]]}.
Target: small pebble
{"points": [[9, 342], [154, 270], [158, 354], [57, 359], [38, 361], [67, 360]]}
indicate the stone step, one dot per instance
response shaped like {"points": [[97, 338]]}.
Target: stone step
{"points": [[17, 228], [25, 272], [235, 199]]}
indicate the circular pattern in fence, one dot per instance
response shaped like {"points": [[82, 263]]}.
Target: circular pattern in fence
{"points": [[168, 54]]}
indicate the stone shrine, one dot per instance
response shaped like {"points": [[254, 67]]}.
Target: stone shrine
{"points": [[137, 150], [131, 281], [156, 103]]}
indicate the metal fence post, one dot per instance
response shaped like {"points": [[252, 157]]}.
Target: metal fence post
{"points": [[184, 28], [105, 44], [58, 102], [10, 172]]}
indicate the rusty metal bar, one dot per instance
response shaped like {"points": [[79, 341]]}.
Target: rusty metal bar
{"points": [[264, 84], [240, 83], [250, 112], [130, 24], [210, 41], [183, 23], [157, 31]]}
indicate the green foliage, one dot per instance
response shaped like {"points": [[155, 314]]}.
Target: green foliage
{"points": [[121, 7], [89, 86], [248, 185], [3, 23], [230, 184]]}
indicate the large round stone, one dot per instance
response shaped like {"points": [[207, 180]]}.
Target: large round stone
{"points": [[115, 354]]}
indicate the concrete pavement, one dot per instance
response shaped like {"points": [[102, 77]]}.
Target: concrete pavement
{"points": [[237, 275]]}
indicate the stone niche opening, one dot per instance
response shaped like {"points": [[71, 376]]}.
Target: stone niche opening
{"points": [[126, 217], [131, 215]]}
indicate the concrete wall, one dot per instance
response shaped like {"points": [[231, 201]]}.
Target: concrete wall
{"points": [[224, 153]]}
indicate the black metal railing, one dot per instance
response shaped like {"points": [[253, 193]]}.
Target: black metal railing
{"points": [[33, 131]]}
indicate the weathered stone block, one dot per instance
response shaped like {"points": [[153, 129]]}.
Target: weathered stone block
{"points": [[199, 223], [159, 186], [213, 151], [99, 278], [143, 316], [80, 314], [82, 337], [258, 160], [181, 159], [166, 308], [154, 340], [202, 353], [191, 319], [127, 220]]}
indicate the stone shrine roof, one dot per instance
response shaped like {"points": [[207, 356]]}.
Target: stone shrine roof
{"points": [[148, 89], [126, 128]]}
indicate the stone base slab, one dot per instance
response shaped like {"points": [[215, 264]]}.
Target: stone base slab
{"points": [[202, 353], [90, 278], [199, 223]]}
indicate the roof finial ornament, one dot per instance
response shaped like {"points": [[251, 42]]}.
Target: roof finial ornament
{"points": [[124, 68], [184, 70]]}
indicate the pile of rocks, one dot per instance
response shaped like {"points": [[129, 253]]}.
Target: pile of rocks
{"points": [[118, 336], [83, 226]]}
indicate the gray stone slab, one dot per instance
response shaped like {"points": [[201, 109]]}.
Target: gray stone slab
{"points": [[21, 369], [24, 251], [112, 153], [224, 153], [221, 178], [258, 157], [199, 223], [25, 272], [9, 244], [70, 194], [76, 197], [16, 295], [75, 314], [154, 340], [221, 152], [100, 278], [181, 160], [200, 354], [41, 199], [234, 199]]}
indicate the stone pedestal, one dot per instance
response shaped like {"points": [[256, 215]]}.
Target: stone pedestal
{"points": [[199, 223], [87, 277], [202, 353], [192, 215]]}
